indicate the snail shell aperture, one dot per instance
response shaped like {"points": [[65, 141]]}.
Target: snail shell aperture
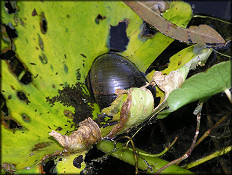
{"points": [[109, 72]]}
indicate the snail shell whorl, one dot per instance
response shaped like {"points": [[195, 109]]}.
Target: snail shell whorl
{"points": [[109, 72], [87, 134]]}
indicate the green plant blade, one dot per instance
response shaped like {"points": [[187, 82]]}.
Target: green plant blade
{"points": [[127, 156], [200, 86]]}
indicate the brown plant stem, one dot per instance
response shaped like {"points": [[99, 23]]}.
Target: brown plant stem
{"points": [[216, 144], [186, 155], [207, 133]]}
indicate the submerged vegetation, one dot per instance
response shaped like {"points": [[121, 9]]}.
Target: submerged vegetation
{"points": [[177, 122]]}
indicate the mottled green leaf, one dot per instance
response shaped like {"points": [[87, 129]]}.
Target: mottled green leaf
{"points": [[57, 56]]}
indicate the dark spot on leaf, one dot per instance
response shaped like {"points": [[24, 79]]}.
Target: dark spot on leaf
{"points": [[65, 68], [21, 95], [4, 108], [147, 30], [13, 124], [118, 39], [27, 78], [41, 45], [76, 96], [32, 63], [78, 74], [58, 128], [65, 56], [8, 55], [49, 127], [60, 159], [68, 114], [40, 146], [43, 59], [49, 167], [83, 55], [77, 161], [99, 18], [53, 86], [9, 97], [34, 13], [43, 23], [179, 63], [68, 16], [12, 87], [25, 118], [10, 6], [11, 32], [10, 123]]}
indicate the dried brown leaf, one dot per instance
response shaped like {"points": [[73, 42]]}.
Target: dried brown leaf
{"points": [[194, 34], [87, 134]]}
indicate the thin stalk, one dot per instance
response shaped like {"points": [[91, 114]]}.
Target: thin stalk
{"points": [[186, 155], [216, 143], [159, 154], [209, 157], [210, 17], [207, 133], [145, 163]]}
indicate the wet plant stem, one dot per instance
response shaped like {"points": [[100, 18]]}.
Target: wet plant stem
{"points": [[145, 163], [216, 143], [135, 154], [186, 155], [207, 133], [209, 157], [159, 154]]}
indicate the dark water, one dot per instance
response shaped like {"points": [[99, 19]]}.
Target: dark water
{"points": [[220, 9]]}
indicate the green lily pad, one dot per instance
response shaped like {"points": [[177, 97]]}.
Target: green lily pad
{"points": [[55, 46]]}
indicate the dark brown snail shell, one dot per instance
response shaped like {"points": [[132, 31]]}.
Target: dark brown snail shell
{"points": [[109, 72]]}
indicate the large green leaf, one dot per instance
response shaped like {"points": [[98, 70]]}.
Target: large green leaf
{"points": [[200, 86], [58, 59]]}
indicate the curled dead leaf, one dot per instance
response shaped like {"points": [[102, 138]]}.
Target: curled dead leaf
{"points": [[124, 115], [87, 134], [168, 83]]}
